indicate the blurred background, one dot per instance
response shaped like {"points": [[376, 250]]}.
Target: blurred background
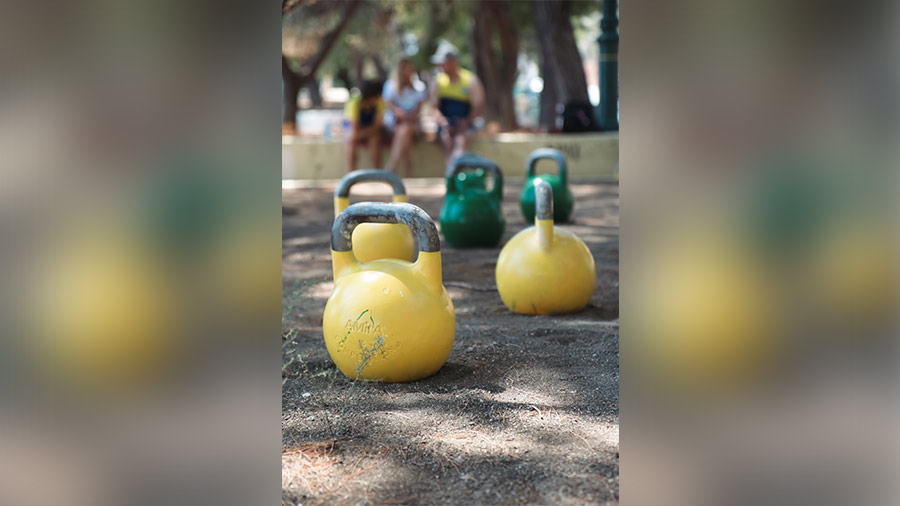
{"points": [[547, 67], [760, 290], [515, 58], [139, 253]]}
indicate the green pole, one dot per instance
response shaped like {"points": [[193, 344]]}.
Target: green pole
{"points": [[608, 69]]}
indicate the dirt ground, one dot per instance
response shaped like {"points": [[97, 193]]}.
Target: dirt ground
{"points": [[524, 411]]}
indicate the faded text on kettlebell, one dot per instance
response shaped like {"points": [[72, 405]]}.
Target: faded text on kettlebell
{"points": [[363, 327]]}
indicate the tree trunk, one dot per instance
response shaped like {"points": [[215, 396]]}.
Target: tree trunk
{"points": [[315, 95], [562, 65], [379, 67], [549, 97], [343, 76], [290, 84], [356, 61], [497, 71], [293, 81]]}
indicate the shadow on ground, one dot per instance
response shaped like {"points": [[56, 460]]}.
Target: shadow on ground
{"points": [[524, 411]]}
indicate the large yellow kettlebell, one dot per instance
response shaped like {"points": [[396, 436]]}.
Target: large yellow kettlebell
{"points": [[388, 320], [545, 269], [372, 241]]}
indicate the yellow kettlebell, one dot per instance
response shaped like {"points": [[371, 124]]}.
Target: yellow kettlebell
{"points": [[387, 320], [710, 313], [109, 316], [372, 241], [545, 269]]}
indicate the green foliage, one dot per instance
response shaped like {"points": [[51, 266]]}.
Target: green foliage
{"points": [[382, 27], [304, 26], [370, 31], [388, 28]]}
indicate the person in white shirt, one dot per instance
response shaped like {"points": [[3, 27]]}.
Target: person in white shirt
{"points": [[403, 94]]}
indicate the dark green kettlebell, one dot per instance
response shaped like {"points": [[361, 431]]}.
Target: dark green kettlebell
{"points": [[471, 215], [470, 179], [563, 202]]}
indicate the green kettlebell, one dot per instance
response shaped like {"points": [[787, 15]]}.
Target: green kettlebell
{"points": [[471, 215], [563, 202], [471, 179]]}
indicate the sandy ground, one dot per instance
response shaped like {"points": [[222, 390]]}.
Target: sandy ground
{"points": [[524, 411]]}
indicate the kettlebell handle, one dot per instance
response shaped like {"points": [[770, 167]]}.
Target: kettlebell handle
{"points": [[543, 200], [543, 213], [418, 221], [553, 154], [473, 161], [365, 175]]}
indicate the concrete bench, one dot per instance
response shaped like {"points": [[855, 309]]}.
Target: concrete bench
{"points": [[588, 155]]}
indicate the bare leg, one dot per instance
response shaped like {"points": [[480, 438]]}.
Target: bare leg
{"points": [[396, 149], [468, 137], [375, 150], [351, 156], [404, 145], [407, 155], [460, 144], [447, 142]]}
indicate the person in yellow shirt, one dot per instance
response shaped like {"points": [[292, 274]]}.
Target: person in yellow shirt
{"points": [[363, 120], [458, 99]]}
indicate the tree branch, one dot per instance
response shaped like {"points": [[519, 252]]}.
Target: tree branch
{"points": [[310, 66], [286, 71], [288, 5]]}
